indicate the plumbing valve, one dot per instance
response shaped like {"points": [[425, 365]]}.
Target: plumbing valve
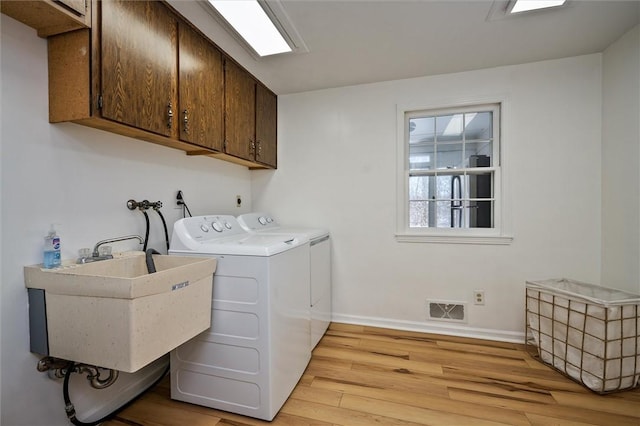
{"points": [[144, 205]]}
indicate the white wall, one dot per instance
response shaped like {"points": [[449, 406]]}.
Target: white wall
{"points": [[80, 178], [337, 169], [621, 163]]}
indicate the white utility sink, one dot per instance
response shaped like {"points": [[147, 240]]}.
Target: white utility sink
{"points": [[113, 314]]}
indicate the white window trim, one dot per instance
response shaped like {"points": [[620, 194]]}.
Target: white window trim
{"points": [[501, 233]]}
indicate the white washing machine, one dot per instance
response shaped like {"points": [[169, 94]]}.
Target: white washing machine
{"points": [[257, 348], [320, 265]]}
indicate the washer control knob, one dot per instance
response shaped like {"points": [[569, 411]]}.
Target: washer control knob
{"points": [[204, 228], [227, 225], [269, 219], [262, 220], [216, 226]]}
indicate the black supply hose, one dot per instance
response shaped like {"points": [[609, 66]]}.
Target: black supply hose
{"points": [[166, 232], [146, 235], [188, 211]]}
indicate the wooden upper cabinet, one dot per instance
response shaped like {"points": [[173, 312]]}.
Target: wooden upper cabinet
{"points": [[139, 65], [143, 71], [240, 112], [49, 17], [201, 105], [266, 126], [251, 112], [77, 6]]}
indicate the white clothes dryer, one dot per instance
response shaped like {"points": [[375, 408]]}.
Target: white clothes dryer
{"points": [[319, 264], [257, 348]]}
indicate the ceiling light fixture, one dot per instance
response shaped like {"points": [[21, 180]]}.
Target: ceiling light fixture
{"points": [[519, 6], [251, 22]]}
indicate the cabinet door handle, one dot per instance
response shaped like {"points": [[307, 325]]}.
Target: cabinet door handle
{"points": [[185, 120], [252, 147], [259, 145], [169, 115]]}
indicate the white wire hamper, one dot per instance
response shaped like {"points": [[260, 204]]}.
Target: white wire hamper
{"points": [[587, 332]]}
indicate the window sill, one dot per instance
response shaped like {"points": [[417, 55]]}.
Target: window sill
{"points": [[455, 239]]}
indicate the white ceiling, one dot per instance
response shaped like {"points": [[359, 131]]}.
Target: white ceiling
{"points": [[365, 41]]}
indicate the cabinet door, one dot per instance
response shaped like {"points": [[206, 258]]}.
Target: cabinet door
{"points": [[240, 116], [139, 65], [266, 126], [201, 104]]}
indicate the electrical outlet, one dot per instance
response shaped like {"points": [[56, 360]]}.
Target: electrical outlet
{"points": [[238, 201], [478, 297]]}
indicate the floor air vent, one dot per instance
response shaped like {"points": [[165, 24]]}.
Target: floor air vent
{"points": [[446, 311]]}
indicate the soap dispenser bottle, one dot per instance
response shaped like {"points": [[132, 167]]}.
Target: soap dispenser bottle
{"points": [[52, 249]]}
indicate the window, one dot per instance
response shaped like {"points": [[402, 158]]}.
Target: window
{"points": [[450, 175]]}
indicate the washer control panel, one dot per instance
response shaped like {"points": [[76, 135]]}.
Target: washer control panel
{"points": [[205, 228]]}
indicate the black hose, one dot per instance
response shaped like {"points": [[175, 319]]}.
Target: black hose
{"points": [[71, 411], [146, 235], [166, 232], [184, 206]]}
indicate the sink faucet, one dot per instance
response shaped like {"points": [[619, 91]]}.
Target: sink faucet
{"points": [[96, 256]]}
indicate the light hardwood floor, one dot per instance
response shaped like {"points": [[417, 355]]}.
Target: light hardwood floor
{"points": [[371, 376]]}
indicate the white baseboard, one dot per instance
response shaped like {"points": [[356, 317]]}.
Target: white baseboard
{"points": [[431, 327]]}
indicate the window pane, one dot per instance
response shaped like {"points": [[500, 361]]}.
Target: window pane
{"points": [[442, 189], [449, 156], [421, 187], [421, 129], [421, 156], [449, 127], [480, 214], [480, 185], [478, 126], [443, 214], [451, 186], [418, 214]]}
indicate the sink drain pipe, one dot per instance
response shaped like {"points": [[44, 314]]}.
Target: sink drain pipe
{"points": [[151, 266]]}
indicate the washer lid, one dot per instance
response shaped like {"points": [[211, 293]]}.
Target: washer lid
{"points": [[243, 245], [264, 222], [311, 233]]}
